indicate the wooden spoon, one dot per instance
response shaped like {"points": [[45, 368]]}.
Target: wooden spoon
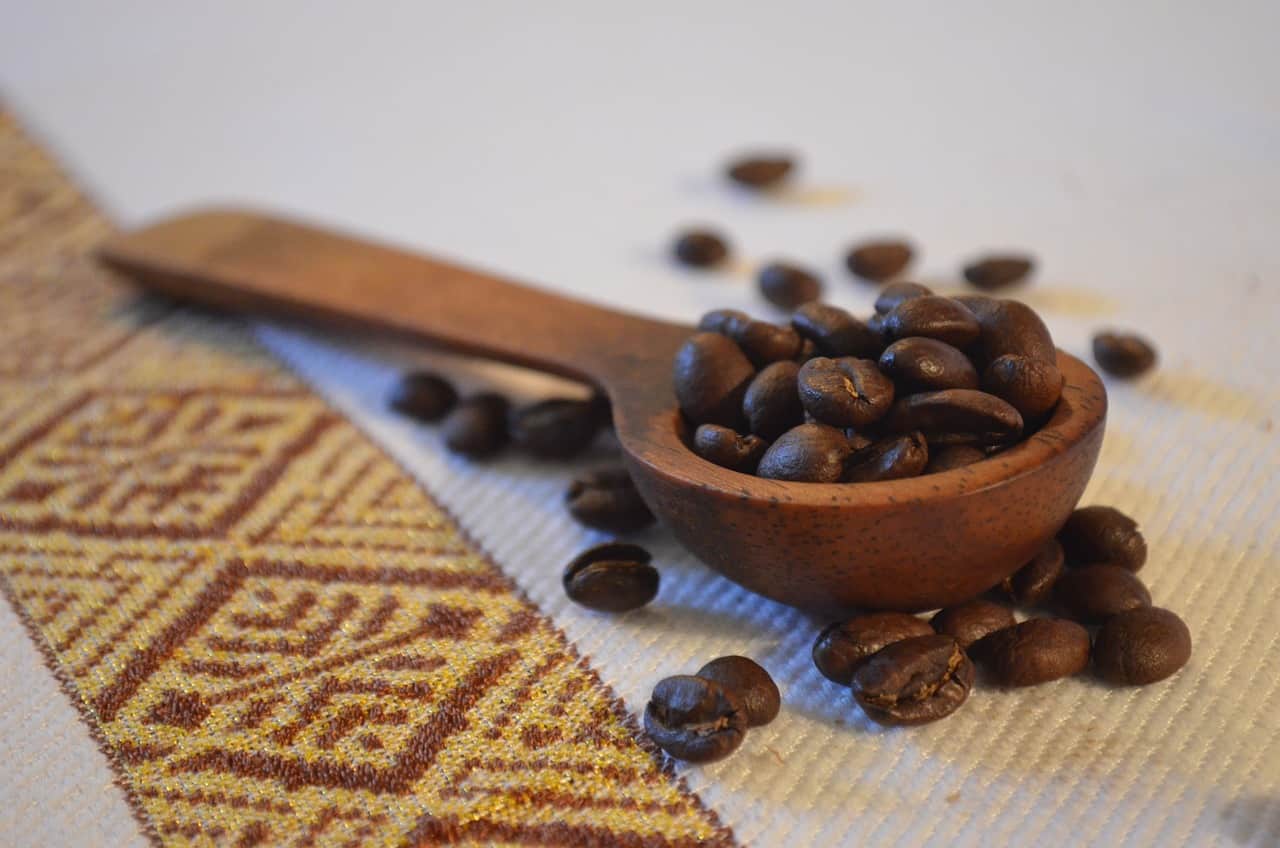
{"points": [[909, 544]]}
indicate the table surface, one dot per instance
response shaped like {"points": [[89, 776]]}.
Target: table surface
{"points": [[1133, 148]]}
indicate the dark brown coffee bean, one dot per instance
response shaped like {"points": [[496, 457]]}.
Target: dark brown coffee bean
{"points": [[1030, 386], [759, 171], [972, 621], [729, 448], [1008, 327], [1123, 354], [835, 332], [555, 429], [999, 271], [613, 577], [879, 260], [426, 397], [750, 682], [763, 342], [724, 321], [1095, 534], [948, 457], [772, 402], [1093, 594], [845, 392], [933, 317], [876, 325], [1035, 651], [700, 249], [894, 293], [1141, 646], [924, 365], [695, 719], [607, 500], [477, 427], [788, 286], [914, 681], [711, 376], [844, 646], [1032, 584], [956, 417], [811, 453], [891, 458]]}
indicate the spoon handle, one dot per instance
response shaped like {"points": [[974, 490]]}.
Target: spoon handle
{"points": [[252, 262]]}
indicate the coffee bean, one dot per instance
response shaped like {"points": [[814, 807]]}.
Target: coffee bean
{"points": [[750, 682], [1095, 593], [876, 325], [891, 458], [923, 365], [763, 342], [607, 500], [1123, 354], [879, 260], [426, 397], [700, 249], [729, 448], [555, 429], [711, 376], [724, 321], [808, 350], [845, 392], [1032, 583], [759, 172], [695, 719], [613, 577], [933, 317], [894, 293], [812, 453], [1036, 651], [1141, 646], [999, 271], [1008, 327], [914, 681], [956, 417], [772, 402], [947, 457], [1030, 386], [835, 332], [477, 427], [844, 646], [972, 621], [788, 286], [857, 441], [1095, 534]]}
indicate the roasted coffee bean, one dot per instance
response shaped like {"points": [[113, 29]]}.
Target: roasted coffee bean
{"points": [[956, 417], [750, 682], [879, 260], [763, 342], [1032, 584], [1036, 651], [1095, 534], [1123, 354], [426, 397], [1141, 646], [924, 365], [729, 448], [700, 249], [555, 429], [876, 325], [695, 719], [477, 427], [933, 317], [835, 332], [845, 392], [948, 457], [973, 621], [1008, 327], [844, 646], [607, 500], [891, 458], [726, 322], [788, 286], [811, 453], [711, 376], [1030, 386], [1093, 594], [772, 402], [759, 172], [914, 681], [894, 293], [613, 577], [999, 271]]}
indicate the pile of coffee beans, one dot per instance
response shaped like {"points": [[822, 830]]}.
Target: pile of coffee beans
{"points": [[705, 716]]}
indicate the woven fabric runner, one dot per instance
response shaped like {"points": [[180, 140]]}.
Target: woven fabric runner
{"points": [[275, 634]]}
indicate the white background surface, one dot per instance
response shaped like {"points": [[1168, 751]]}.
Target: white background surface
{"points": [[1134, 148]]}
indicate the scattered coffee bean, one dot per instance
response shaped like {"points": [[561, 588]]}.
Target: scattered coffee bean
{"points": [[933, 317], [1093, 594], [1031, 386], [997, 272], [1095, 534], [1123, 354], [555, 429], [724, 321], [879, 260], [956, 417], [834, 332], [812, 453], [607, 500], [894, 293], [613, 577], [763, 342], [788, 286], [700, 249], [947, 457], [711, 376], [729, 448], [1031, 584], [844, 392], [1141, 646], [924, 365], [914, 681], [754, 687], [759, 172], [695, 719], [772, 402], [844, 646], [1036, 651], [426, 397], [891, 458], [477, 427], [973, 621]]}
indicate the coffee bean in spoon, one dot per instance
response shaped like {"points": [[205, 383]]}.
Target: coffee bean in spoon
{"points": [[711, 377], [934, 317], [894, 293], [760, 171], [724, 321], [422, 395], [843, 646], [788, 286], [555, 429], [835, 332], [477, 427], [914, 681], [844, 392], [998, 271], [1036, 651], [607, 500], [890, 458], [1031, 386], [1141, 646], [613, 577], [729, 448], [947, 457], [1123, 354], [956, 417], [973, 620], [918, 364], [695, 719], [812, 453], [1093, 594], [878, 261], [763, 342], [1009, 327], [1096, 534], [1033, 583], [700, 248], [750, 682], [772, 402]]}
